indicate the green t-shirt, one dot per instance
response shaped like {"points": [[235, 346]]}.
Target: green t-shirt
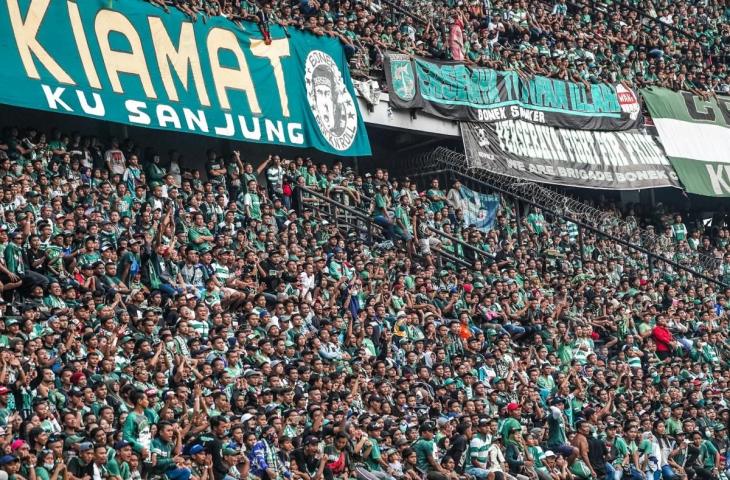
{"points": [[380, 205], [195, 233], [556, 429], [402, 215], [42, 474], [253, 202], [373, 460], [673, 426], [620, 450], [163, 452], [424, 450], [643, 447], [507, 426], [14, 259], [436, 205], [89, 258], [136, 430], [707, 454]]}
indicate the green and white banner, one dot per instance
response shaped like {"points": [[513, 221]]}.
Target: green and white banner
{"points": [[457, 91], [695, 134], [129, 62], [480, 209]]}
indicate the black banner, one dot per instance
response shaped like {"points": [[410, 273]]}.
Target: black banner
{"points": [[459, 92], [628, 160]]}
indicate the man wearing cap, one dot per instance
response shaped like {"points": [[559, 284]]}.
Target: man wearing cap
{"points": [[201, 466], [376, 465], [10, 465], [619, 451], [556, 425], [550, 469], [118, 465], [307, 461], [478, 447], [514, 413], [82, 465], [425, 460]]}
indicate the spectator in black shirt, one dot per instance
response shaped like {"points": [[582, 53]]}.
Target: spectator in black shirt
{"points": [[460, 445], [83, 466], [219, 426], [310, 461]]}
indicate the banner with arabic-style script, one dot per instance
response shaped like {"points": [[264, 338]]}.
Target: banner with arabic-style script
{"points": [[461, 92], [132, 63], [627, 160]]}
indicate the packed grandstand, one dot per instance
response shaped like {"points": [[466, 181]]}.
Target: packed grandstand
{"points": [[674, 44], [491, 311]]}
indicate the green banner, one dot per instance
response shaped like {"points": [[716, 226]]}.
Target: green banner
{"points": [[129, 62], [695, 133], [457, 91]]}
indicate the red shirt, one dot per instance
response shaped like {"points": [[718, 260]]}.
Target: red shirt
{"points": [[663, 338]]}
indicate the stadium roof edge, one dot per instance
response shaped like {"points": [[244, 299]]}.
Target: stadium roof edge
{"points": [[376, 111]]}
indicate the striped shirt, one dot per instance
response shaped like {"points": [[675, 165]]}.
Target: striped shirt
{"points": [[200, 326], [572, 231], [478, 448], [221, 272], [275, 177]]}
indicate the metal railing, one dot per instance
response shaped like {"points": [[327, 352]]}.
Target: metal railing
{"points": [[349, 217], [450, 164]]}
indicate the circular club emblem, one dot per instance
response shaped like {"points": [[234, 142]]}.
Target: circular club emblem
{"points": [[332, 105], [627, 101]]}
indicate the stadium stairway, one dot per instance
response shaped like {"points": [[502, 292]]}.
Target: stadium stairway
{"points": [[357, 223], [450, 165]]}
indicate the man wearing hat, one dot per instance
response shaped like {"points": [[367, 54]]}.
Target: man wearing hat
{"points": [[376, 465], [10, 465], [425, 460], [478, 447], [514, 414], [82, 465], [199, 461], [307, 460], [118, 465]]}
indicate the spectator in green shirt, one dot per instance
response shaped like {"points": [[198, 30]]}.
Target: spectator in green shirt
{"points": [[118, 465], [425, 460], [199, 235], [436, 196]]}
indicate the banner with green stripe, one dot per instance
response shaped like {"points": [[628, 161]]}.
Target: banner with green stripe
{"points": [[695, 133]]}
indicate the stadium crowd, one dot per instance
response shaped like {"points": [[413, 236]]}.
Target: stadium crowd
{"points": [[163, 322], [678, 44]]}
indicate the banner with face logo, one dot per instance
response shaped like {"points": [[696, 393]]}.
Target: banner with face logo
{"points": [[461, 92], [627, 160], [480, 209], [695, 133], [132, 63]]}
